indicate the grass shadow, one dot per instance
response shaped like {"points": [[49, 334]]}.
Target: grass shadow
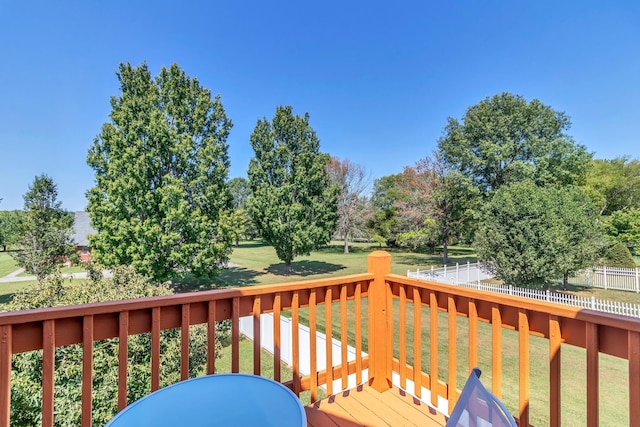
{"points": [[227, 278], [306, 268], [6, 298]]}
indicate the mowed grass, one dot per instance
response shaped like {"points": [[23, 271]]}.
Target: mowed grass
{"points": [[7, 264]]}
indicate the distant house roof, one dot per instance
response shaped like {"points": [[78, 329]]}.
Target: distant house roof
{"points": [[82, 228]]}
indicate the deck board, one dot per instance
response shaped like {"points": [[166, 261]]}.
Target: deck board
{"points": [[363, 406]]}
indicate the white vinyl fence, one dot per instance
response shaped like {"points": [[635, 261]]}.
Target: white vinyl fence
{"points": [[622, 279], [470, 275]]}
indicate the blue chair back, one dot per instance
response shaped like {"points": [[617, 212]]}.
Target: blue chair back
{"points": [[477, 407]]}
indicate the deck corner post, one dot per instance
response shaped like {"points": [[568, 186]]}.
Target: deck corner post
{"points": [[379, 263]]}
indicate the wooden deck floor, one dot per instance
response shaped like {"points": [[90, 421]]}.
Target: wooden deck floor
{"points": [[363, 406]]}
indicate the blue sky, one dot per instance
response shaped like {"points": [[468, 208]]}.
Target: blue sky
{"points": [[379, 79]]}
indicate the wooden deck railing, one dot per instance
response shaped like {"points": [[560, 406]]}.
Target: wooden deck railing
{"points": [[411, 327]]}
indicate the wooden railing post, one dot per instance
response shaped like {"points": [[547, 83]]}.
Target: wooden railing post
{"points": [[380, 345]]}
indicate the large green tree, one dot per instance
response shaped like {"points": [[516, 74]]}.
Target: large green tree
{"points": [[383, 223], [292, 203], [505, 139], [624, 227], [10, 225], [614, 184], [26, 368], [160, 202], [45, 235], [531, 236]]}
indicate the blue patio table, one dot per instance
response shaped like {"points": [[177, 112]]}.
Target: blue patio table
{"points": [[216, 400]]}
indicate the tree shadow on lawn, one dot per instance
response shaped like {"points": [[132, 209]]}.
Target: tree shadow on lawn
{"points": [[305, 268], [227, 278]]}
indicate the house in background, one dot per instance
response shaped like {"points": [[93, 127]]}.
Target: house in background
{"points": [[81, 231]]}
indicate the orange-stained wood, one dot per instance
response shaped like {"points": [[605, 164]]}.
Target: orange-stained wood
{"points": [[358, 310], [48, 366], [496, 351], [523, 340], [184, 342], [211, 337], [123, 358], [473, 335], [417, 342], [87, 370], [276, 338], [313, 350], [257, 348], [5, 374], [554, 371], [295, 341], [155, 348], [329, 341], [452, 393], [634, 379], [344, 335], [593, 416], [235, 336], [402, 332], [379, 264], [433, 355]]}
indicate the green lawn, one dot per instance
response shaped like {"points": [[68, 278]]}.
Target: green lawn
{"points": [[7, 264]]}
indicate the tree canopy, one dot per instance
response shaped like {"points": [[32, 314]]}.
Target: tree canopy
{"points": [[45, 231], [160, 202], [505, 139], [292, 203], [10, 225], [614, 184], [624, 227], [530, 236], [351, 179]]}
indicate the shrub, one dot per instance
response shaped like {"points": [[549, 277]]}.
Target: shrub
{"points": [[618, 255], [26, 369]]}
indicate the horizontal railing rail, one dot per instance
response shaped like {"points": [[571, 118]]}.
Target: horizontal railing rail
{"points": [[50, 328]]}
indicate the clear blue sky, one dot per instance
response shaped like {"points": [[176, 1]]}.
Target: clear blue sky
{"points": [[379, 79]]}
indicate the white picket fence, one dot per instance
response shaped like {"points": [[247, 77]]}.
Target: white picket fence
{"points": [[593, 303], [470, 275], [622, 279]]}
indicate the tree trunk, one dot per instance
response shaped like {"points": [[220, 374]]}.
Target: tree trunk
{"points": [[565, 282], [287, 268], [237, 241], [346, 244], [445, 252]]}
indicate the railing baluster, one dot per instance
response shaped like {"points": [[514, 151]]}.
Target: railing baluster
{"points": [[524, 395], [48, 366], [329, 333], [417, 343], [257, 347], [496, 351], [634, 378], [155, 348], [344, 336], [123, 358], [313, 365], [184, 341], [555, 338], [6, 338], [358, 308], [433, 357], [403, 336], [235, 335], [452, 392], [87, 369], [592, 375], [276, 337], [295, 341], [473, 335], [211, 337]]}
